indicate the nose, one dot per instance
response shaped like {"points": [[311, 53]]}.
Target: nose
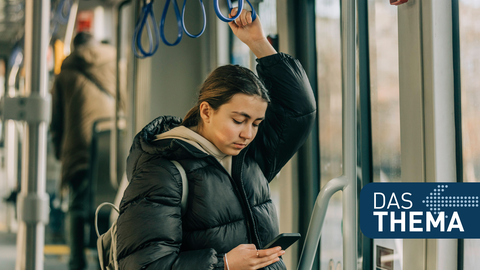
{"points": [[247, 133]]}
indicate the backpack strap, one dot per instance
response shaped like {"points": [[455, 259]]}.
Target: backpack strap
{"points": [[184, 185], [183, 202], [96, 214], [97, 84]]}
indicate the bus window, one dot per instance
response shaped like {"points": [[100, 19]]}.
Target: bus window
{"points": [[469, 11], [329, 76]]}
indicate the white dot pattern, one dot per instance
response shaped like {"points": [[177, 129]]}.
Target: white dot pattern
{"points": [[436, 202]]}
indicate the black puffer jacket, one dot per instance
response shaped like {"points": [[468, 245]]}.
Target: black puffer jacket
{"points": [[223, 211]]}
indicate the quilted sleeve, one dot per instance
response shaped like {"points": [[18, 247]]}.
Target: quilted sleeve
{"points": [[290, 116]]}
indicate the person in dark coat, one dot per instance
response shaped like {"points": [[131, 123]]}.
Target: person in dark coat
{"points": [[83, 92], [232, 143]]}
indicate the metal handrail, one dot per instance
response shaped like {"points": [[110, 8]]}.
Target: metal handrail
{"points": [[348, 181], [114, 143], [33, 206]]}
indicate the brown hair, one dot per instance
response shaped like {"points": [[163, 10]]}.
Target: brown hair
{"points": [[221, 85]]}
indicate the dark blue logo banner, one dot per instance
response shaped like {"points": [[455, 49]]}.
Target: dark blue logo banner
{"points": [[420, 210]]}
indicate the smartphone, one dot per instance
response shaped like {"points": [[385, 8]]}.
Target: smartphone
{"points": [[283, 240]]}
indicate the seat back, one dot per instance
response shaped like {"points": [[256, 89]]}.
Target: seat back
{"points": [[101, 187]]}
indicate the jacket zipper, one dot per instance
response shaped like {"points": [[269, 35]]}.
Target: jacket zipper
{"points": [[240, 159], [248, 215]]}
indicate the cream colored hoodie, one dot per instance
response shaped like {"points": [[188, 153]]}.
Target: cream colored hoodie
{"points": [[190, 136]]}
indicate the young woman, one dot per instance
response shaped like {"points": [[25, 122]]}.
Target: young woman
{"points": [[232, 143]]}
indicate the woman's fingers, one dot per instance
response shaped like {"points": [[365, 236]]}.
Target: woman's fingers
{"points": [[268, 252], [267, 260], [233, 24], [267, 263], [271, 254], [244, 18], [246, 256], [233, 12]]}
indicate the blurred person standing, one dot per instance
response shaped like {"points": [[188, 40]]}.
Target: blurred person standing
{"points": [[83, 92]]}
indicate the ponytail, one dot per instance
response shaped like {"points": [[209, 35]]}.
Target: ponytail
{"points": [[192, 118]]}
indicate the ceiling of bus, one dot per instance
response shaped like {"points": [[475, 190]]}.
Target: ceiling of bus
{"points": [[12, 20]]}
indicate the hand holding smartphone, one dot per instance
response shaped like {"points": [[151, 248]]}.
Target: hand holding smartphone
{"points": [[283, 240]]}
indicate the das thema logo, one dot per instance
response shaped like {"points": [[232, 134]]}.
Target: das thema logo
{"points": [[420, 210]]}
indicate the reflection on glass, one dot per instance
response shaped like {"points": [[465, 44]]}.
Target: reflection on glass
{"points": [[240, 53], [267, 9], [328, 42], [470, 68], [383, 42]]}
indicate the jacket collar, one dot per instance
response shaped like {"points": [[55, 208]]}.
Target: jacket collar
{"points": [[168, 148], [172, 149]]}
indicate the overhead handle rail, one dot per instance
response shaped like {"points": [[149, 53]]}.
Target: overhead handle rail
{"points": [[348, 181], [146, 24]]}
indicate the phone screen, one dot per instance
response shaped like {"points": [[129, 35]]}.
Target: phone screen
{"points": [[283, 240]]}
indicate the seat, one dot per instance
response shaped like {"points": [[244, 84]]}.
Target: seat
{"points": [[101, 187]]}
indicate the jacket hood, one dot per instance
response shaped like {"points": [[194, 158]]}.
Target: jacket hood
{"points": [[92, 61], [144, 144]]}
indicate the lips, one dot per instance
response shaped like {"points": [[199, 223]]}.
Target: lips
{"points": [[239, 145]]}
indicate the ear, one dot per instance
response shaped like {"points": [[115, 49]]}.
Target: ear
{"points": [[206, 112]]}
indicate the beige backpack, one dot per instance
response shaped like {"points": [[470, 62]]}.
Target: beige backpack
{"points": [[107, 242]]}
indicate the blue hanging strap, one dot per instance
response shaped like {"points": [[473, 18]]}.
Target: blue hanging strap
{"points": [[63, 11], [204, 20], [153, 38], [239, 12], [179, 23], [60, 15]]}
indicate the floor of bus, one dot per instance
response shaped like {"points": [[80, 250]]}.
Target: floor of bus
{"points": [[56, 255], [56, 250]]}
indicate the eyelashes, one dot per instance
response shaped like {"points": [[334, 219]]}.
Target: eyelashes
{"points": [[239, 123]]}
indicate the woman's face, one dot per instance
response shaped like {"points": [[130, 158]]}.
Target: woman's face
{"points": [[234, 125]]}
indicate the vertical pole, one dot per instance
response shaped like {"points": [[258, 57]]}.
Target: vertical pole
{"points": [[439, 113], [365, 136], [133, 103], [457, 100], [33, 201], [349, 107], [410, 68], [115, 143], [309, 153]]}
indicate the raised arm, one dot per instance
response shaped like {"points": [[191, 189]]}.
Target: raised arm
{"points": [[291, 114]]}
